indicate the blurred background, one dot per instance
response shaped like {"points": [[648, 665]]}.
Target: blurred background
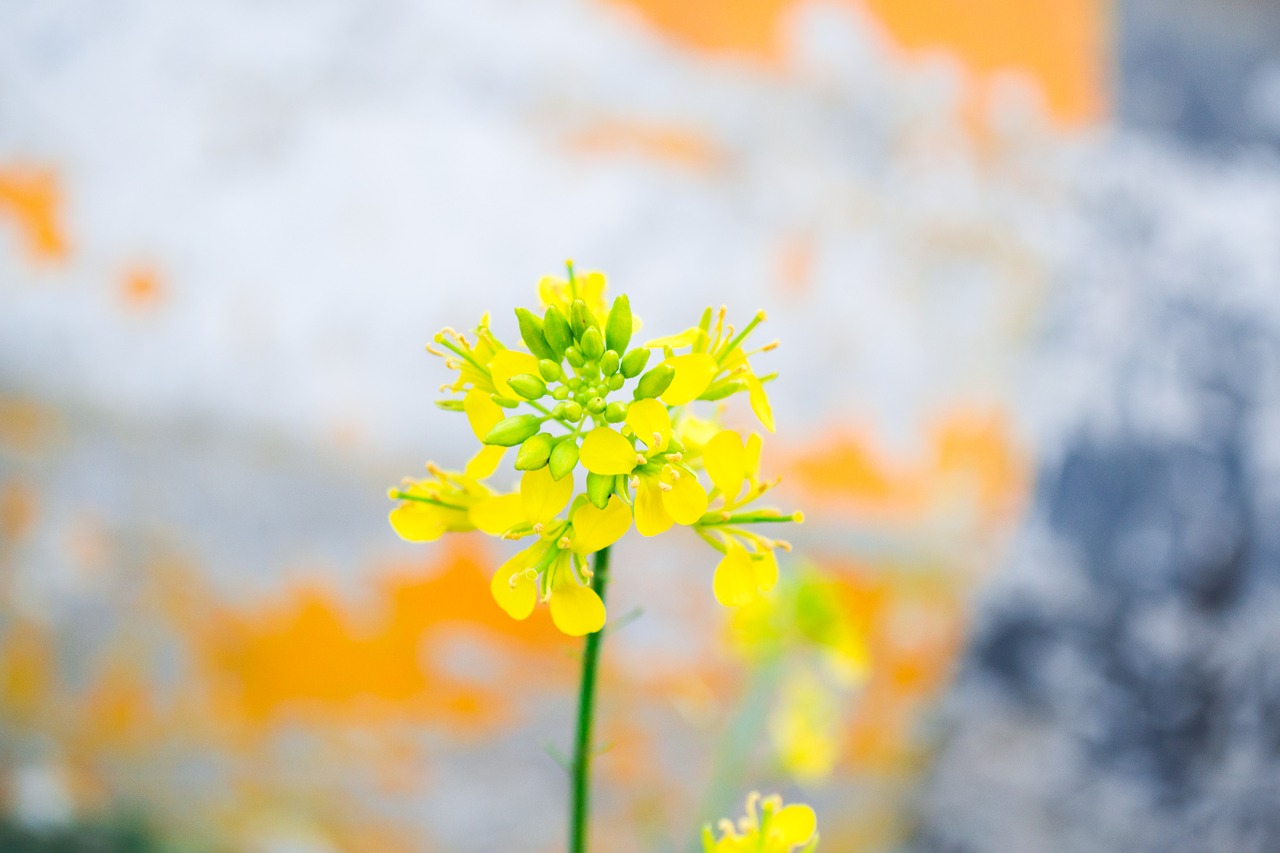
{"points": [[1024, 259]]}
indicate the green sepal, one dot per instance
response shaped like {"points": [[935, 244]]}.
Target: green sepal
{"points": [[555, 328], [450, 405], [564, 458], [599, 488], [504, 402], [655, 381], [528, 386], [700, 345], [633, 362], [511, 431], [534, 453], [618, 326], [723, 388], [532, 335]]}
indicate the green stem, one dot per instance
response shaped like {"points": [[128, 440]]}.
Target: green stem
{"points": [[586, 713]]}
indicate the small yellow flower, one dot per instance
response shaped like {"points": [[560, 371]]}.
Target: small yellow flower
{"points": [[428, 509], [805, 726], [588, 286], [554, 567], [775, 829]]}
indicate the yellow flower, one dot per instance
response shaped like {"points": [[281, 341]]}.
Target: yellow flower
{"points": [[554, 567], [775, 829], [667, 491], [742, 577], [588, 286], [805, 726], [428, 509]]}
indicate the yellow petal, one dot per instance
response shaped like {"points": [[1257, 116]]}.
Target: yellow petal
{"points": [[652, 517], [686, 500], [518, 599], [485, 462], [418, 522], [543, 495], [687, 338], [725, 459], [605, 451], [482, 413], [735, 579], [591, 288], [694, 373], [759, 401], [751, 463], [766, 570], [497, 515], [508, 363], [651, 423], [553, 291], [576, 610], [596, 529], [793, 824]]}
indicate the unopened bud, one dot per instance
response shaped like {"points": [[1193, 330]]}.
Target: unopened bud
{"points": [[564, 458], [550, 370], [511, 431], [596, 405], [618, 327], [528, 386], [655, 381], [634, 362], [534, 453], [609, 362], [532, 335], [592, 344], [573, 355], [580, 318], [615, 412], [555, 328], [569, 410], [614, 382]]}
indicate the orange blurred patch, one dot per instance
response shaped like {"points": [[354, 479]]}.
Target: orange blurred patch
{"points": [[141, 287], [26, 426], [17, 510], [26, 661], [310, 654], [33, 199], [676, 146], [1059, 44], [972, 462]]}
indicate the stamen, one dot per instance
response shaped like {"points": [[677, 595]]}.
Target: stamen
{"points": [[783, 544], [564, 543], [666, 487], [797, 517], [435, 351], [771, 346], [641, 459], [537, 527], [657, 438], [675, 457]]}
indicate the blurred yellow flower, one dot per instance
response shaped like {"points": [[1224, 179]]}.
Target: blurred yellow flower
{"points": [[428, 509], [775, 828]]}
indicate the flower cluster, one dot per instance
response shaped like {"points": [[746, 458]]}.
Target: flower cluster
{"points": [[774, 829], [580, 396]]}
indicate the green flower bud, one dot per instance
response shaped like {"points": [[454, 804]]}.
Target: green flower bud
{"points": [[569, 410], [531, 334], [581, 318], [655, 381], [504, 402], [634, 362], [550, 370], [511, 431], [534, 453], [575, 384], [564, 458], [596, 406], [599, 488], [573, 355], [615, 412], [592, 344], [450, 405], [615, 382], [618, 327], [560, 393], [723, 388], [528, 386], [555, 328], [609, 362]]}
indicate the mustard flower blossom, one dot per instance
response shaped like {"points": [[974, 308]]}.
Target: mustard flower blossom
{"points": [[775, 828], [579, 395]]}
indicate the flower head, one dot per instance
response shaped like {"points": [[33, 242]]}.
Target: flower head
{"points": [[580, 395], [774, 828]]}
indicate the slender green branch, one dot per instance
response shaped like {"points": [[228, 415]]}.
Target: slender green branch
{"points": [[396, 494], [586, 713]]}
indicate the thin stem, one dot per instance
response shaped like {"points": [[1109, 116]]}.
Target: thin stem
{"points": [[586, 714]]}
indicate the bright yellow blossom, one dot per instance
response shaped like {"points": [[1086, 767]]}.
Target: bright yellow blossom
{"points": [[580, 393], [774, 829]]}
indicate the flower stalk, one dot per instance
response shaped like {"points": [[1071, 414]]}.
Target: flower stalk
{"points": [[581, 782]]}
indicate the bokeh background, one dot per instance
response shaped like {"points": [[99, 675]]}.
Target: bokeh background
{"points": [[1024, 259]]}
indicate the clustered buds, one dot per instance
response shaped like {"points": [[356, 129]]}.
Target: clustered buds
{"points": [[582, 394]]}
